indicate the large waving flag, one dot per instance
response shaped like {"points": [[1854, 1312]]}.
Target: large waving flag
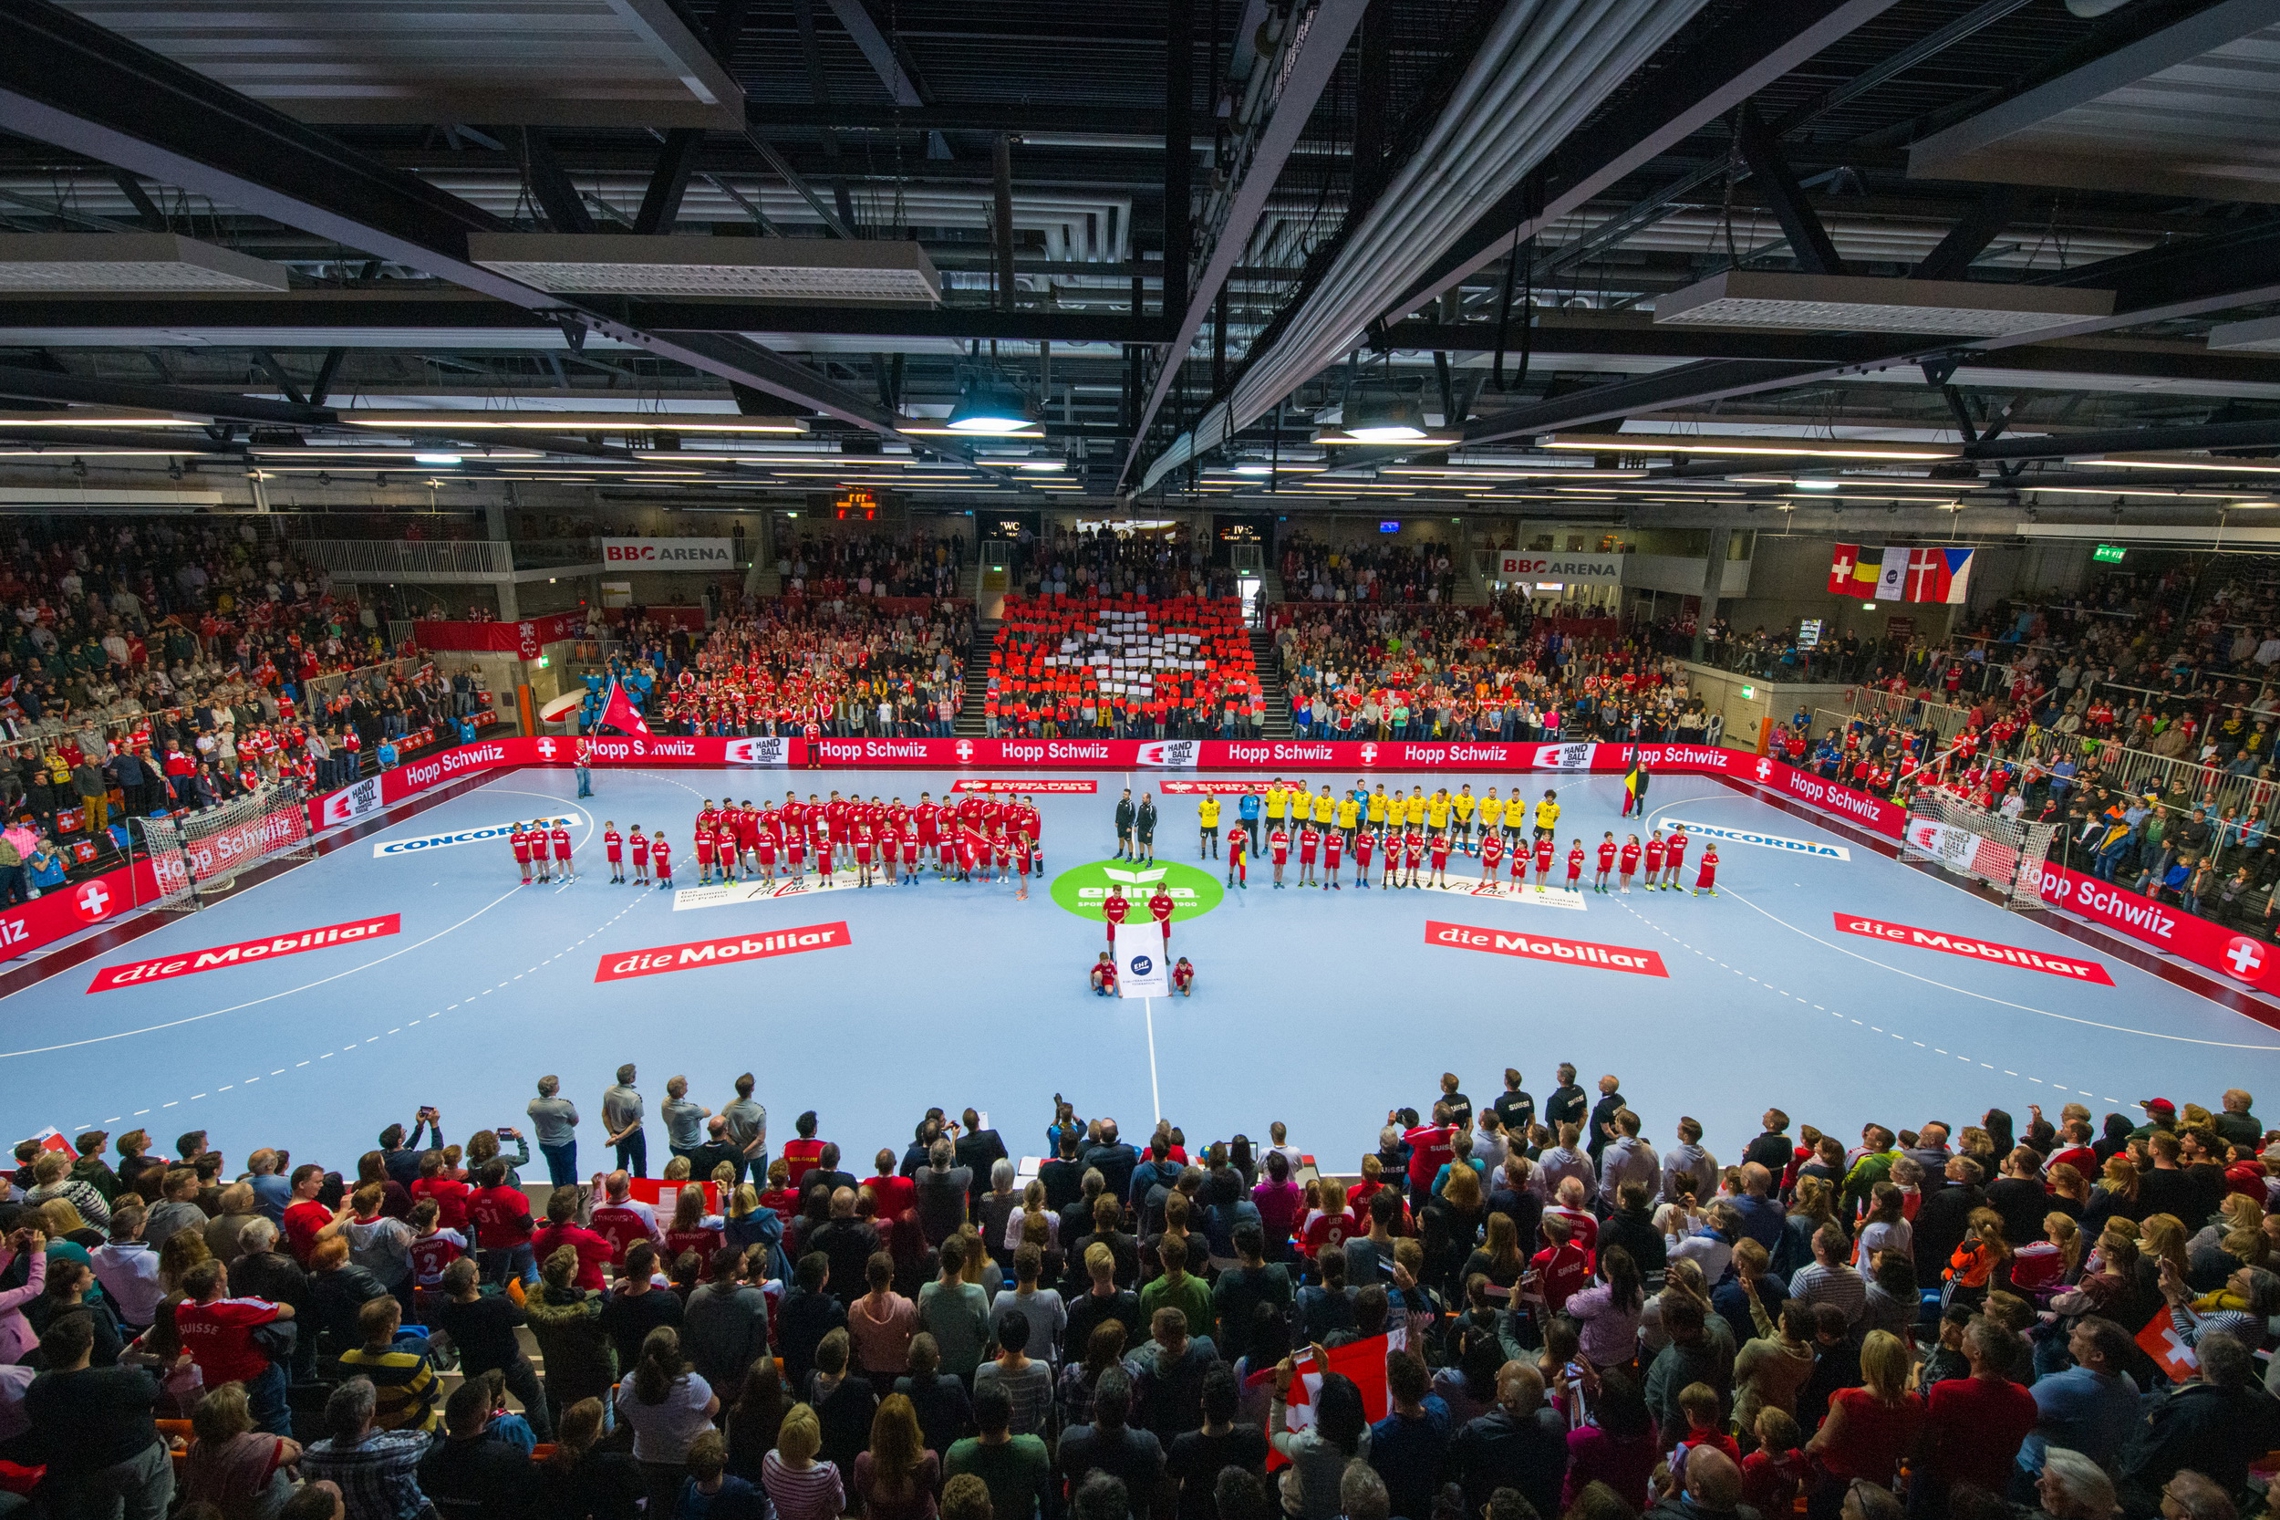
{"points": [[618, 712], [1362, 1361]]}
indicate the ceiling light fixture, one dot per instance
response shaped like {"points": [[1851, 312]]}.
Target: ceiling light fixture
{"points": [[987, 407], [436, 459], [1377, 414], [1642, 443]]}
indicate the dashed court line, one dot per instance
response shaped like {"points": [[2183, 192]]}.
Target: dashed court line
{"points": [[1835, 1013], [569, 949]]}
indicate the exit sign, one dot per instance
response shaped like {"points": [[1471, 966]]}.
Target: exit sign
{"points": [[2107, 554]]}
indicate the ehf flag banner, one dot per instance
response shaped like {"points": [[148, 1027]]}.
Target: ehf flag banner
{"points": [[1140, 968]]}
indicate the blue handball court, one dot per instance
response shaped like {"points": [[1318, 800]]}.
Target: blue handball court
{"points": [[1319, 1008]]}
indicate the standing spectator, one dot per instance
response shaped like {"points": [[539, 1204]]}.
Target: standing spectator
{"points": [[1975, 1426], [798, 1486], [668, 1406], [218, 1334], [621, 1123], [724, 1326], [472, 1472], [377, 1471], [103, 1451], [481, 1328], [1016, 1468], [233, 1466], [1520, 1444], [955, 1312], [554, 1120], [1869, 1429], [566, 1321], [943, 1189]]}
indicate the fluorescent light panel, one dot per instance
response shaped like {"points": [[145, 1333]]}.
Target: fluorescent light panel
{"points": [[1855, 303]]}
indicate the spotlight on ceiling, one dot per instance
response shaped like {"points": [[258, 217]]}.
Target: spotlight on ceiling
{"points": [[1383, 416], [990, 406]]}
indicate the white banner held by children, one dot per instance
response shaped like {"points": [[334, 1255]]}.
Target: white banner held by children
{"points": [[1141, 968]]}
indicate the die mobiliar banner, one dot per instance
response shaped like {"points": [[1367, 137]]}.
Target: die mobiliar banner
{"points": [[245, 952], [729, 950], [1973, 948], [1543, 947]]}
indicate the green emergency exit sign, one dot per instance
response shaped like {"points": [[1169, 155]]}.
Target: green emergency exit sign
{"points": [[2107, 554]]}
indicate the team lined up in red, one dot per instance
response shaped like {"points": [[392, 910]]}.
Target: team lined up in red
{"points": [[976, 837]]}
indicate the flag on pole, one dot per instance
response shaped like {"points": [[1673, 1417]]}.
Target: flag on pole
{"points": [[1140, 968], [618, 712]]}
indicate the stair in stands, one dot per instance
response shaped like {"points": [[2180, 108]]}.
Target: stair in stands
{"points": [[969, 724], [1276, 720]]}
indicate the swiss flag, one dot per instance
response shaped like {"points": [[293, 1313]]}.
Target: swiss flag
{"points": [[2160, 1340], [618, 712], [1363, 1361], [1842, 558]]}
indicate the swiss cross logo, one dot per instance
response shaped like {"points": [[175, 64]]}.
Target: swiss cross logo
{"points": [[1841, 565], [1764, 770], [1369, 754], [964, 749], [2246, 957], [546, 749], [92, 901]]}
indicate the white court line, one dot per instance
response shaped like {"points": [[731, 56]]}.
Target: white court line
{"points": [[128, 1034], [2151, 1034], [1155, 1093]]}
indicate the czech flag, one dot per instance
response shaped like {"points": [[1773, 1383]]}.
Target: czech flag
{"points": [[618, 712], [1938, 575]]}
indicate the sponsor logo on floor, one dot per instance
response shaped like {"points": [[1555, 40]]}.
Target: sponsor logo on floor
{"points": [[619, 965], [1976, 949], [244, 952], [1762, 841], [730, 894], [1507, 892], [385, 848], [1539, 947], [1082, 889]]}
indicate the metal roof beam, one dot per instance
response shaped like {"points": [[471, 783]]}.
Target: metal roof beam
{"points": [[1305, 74], [1809, 241], [71, 83]]}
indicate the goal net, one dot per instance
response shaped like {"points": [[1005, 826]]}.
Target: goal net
{"points": [[197, 854], [1971, 841]]}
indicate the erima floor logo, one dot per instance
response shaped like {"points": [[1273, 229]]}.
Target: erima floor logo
{"points": [[1762, 841], [386, 847], [1082, 889]]}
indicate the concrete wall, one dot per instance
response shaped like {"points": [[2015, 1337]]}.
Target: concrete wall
{"points": [[1673, 575], [1790, 580], [1722, 691]]}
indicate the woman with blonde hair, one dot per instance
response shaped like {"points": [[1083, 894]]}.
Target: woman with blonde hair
{"points": [[2115, 1196], [243, 1472], [1032, 1207], [2161, 1237], [897, 1477], [1810, 1208], [798, 1486], [1498, 1260], [1869, 1429]]}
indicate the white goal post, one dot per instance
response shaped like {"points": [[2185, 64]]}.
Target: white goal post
{"points": [[1971, 841], [198, 854]]}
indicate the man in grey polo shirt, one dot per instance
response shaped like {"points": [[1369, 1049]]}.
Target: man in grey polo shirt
{"points": [[684, 1121], [748, 1132], [554, 1119], [621, 1120]]}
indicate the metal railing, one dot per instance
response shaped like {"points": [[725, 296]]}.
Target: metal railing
{"points": [[396, 557]]}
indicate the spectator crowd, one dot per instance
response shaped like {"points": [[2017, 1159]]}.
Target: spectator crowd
{"points": [[1510, 1308]]}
